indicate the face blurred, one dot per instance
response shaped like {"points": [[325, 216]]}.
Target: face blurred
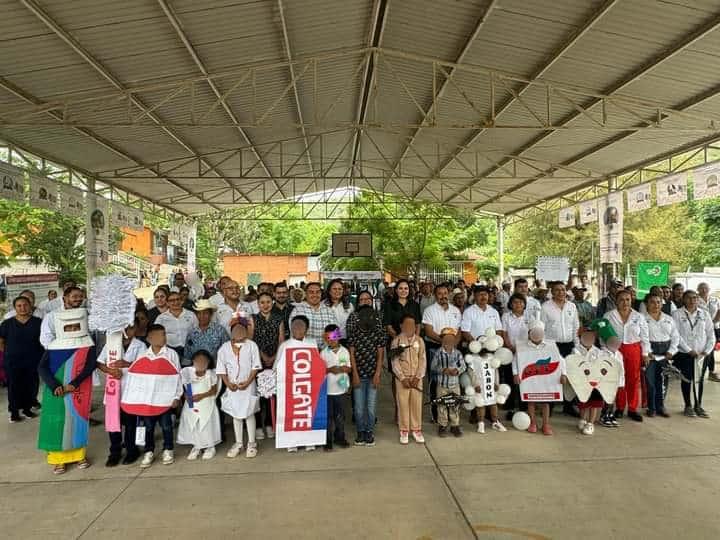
{"points": [[265, 304], [281, 295], [365, 300], [130, 331], [313, 295], [297, 295], [179, 280], [327, 338], [448, 341], [156, 339], [587, 339], [184, 295], [425, 289], [407, 327], [298, 329], [200, 363], [160, 299], [559, 294], [536, 335], [204, 317], [239, 333], [336, 292], [74, 299], [265, 288], [441, 296], [654, 305], [613, 343], [402, 290], [23, 308]]}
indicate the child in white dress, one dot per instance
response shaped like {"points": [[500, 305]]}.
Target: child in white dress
{"points": [[238, 362], [200, 419]]}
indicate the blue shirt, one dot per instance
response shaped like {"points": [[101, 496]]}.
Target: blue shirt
{"points": [[209, 339]]}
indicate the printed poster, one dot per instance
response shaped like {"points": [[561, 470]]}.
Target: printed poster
{"points": [[588, 211], [540, 369], [72, 201], [671, 189], [301, 418], [706, 182], [13, 184], [136, 219], [97, 231], [610, 215], [638, 198], [120, 216], [567, 217], [43, 193], [191, 247]]}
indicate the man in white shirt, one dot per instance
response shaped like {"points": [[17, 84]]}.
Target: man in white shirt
{"points": [[436, 317], [318, 313], [57, 304], [697, 340], [233, 305], [562, 324], [73, 297], [177, 322], [532, 306], [503, 295], [218, 298], [712, 305], [480, 316]]}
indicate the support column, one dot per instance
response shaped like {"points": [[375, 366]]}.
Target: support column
{"points": [[500, 221]]}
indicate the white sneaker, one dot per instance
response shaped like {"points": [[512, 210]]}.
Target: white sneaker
{"points": [[292, 449], [168, 457], [251, 450], [194, 453], [234, 450], [259, 434], [497, 426], [310, 448], [209, 453], [404, 439], [270, 433], [481, 426], [418, 436], [581, 424], [147, 459], [589, 429]]}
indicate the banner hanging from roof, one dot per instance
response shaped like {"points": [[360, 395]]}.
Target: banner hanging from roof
{"points": [[72, 201], [567, 217], [12, 186], [588, 211], [610, 213], [191, 246], [638, 198], [706, 182], [120, 216], [43, 193], [671, 189], [97, 231], [136, 219]]}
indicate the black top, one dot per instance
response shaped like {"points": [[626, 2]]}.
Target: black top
{"points": [[267, 332], [393, 313], [22, 342], [285, 313], [152, 315], [365, 342]]}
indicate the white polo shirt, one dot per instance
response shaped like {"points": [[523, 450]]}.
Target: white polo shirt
{"points": [[561, 323], [476, 321], [440, 318], [177, 328]]}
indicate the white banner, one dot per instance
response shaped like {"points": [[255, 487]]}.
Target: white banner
{"points": [[567, 217], [671, 189], [588, 211], [638, 198], [610, 214], [120, 216], [43, 193], [706, 182], [191, 247], [72, 201], [97, 231], [136, 219], [12, 186]]}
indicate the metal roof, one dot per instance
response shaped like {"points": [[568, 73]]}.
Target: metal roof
{"points": [[488, 105]]}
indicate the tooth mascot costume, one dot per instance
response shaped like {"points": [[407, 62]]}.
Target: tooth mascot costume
{"points": [[66, 369], [480, 382]]}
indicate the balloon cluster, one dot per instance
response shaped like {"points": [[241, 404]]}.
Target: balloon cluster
{"points": [[487, 348]]}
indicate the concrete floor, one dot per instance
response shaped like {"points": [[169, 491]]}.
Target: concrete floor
{"points": [[658, 479]]}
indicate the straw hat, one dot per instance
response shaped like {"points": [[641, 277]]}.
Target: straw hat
{"points": [[203, 304]]}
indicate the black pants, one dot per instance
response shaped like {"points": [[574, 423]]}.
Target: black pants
{"points": [[686, 364], [22, 383], [336, 420], [263, 418], [430, 348], [125, 437]]}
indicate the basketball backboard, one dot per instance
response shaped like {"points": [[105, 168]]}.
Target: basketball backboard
{"points": [[352, 245]]}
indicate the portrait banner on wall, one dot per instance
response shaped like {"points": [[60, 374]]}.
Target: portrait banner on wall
{"points": [[12, 185], [43, 193], [610, 226], [97, 231], [120, 216], [567, 217], [72, 201], [638, 198], [588, 211], [706, 182], [671, 189], [191, 247], [136, 219]]}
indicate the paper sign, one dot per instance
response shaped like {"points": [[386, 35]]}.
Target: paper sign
{"points": [[553, 269], [638, 198], [567, 217], [43, 193], [671, 189], [588, 211], [611, 218], [12, 183], [72, 201], [706, 182]]}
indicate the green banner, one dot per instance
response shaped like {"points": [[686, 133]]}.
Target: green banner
{"points": [[651, 273]]}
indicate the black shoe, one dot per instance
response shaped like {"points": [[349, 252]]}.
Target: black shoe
{"points": [[15, 418], [456, 431], [131, 458], [442, 431], [633, 415], [360, 439], [343, 444], [369, 438], [618, 414], [37, 405], [29, 414], [606, 421], [112, 460], [664, 414]]}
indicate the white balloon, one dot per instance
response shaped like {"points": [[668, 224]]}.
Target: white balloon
{"points": [[521, 421], [500, 399], [494, 362], [505, 355], [504, 390], [469, 406], [490, 332], [475, 347], [494, 343], [469, 391]]}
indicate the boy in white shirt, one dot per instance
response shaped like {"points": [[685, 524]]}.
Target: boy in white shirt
{"points": [[337, 361]]}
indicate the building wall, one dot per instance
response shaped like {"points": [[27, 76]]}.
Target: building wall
{"points": [[272, 268], [137, 242]]}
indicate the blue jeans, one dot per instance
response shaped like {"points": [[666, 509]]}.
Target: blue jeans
{"points": [[365, 397], [166, 424]]}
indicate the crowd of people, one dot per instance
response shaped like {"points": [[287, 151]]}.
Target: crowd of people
{"points": [[222, 339]]}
